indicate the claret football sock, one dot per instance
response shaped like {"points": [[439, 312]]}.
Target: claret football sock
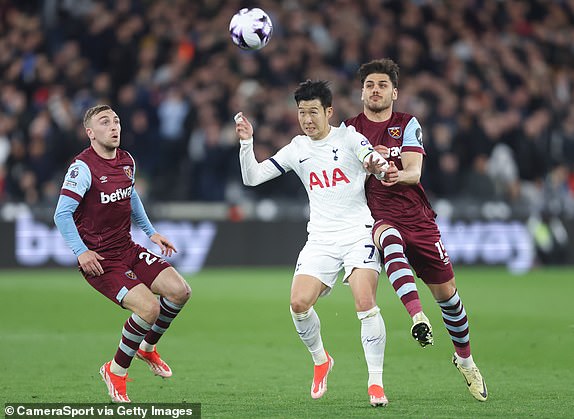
{"points": [[398, 270], [167, 312], [456, 322], [133, 332]]}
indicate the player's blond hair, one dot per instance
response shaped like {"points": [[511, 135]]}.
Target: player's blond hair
{"points": [[93, 111]]}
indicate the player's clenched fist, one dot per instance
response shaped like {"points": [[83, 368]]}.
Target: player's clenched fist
{"points": [[243, 127]]}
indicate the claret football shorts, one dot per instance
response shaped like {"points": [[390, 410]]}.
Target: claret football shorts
{"points": [[136, 266]]}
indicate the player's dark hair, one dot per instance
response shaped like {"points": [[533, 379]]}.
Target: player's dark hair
{"points": [[93, 111], [382, 66], [309, 90]]}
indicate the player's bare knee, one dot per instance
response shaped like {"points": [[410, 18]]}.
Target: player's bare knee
{"points": [[444, 291], [181, 294], [173, 287], [365, 303], [299, 305]]}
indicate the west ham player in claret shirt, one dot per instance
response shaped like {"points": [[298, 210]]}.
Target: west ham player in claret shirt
{"points": [[97, 202], [405, 230], [330, 163]]}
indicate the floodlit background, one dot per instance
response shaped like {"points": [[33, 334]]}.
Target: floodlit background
{"points": [[492, 84]]}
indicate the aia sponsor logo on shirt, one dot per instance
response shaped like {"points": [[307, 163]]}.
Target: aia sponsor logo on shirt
{"points": [[395, 132], [129, 172], [326, 180]]}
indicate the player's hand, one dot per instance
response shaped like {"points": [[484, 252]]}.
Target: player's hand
{"points": [[243, 127], [383, 151], [90, 263], [375, 164], [167, 248], [391, 176]]}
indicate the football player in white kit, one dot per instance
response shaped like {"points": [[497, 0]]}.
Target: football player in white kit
{"points": [[331, 162]]}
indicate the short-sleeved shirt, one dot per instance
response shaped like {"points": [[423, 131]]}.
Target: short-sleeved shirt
{"points": [[402, 132], [405, 207]]}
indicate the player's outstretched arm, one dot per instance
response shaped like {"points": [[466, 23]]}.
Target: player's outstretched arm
{"points": [[253, 173], [167, 248]]}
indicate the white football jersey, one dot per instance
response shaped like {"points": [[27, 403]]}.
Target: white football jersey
{"points": [[331, 170]]}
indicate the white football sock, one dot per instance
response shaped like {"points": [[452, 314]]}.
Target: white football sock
{"points": [[117, 369], [146, 347], [308, 327], [374, 339], [466, 362]]}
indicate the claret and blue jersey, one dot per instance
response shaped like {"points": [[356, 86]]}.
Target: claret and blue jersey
{"points": [[400, 133], [91, 187]]}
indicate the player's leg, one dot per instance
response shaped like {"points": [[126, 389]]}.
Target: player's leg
{"points": [[456, 322], [145, 307], [305, 290], [432, 264], [173, 293], [145, 310], [363, 284], [390, 242], [318, 266], [122, 286], [453, 315]]}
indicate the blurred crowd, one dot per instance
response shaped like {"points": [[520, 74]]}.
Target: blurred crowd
{"points": [[491, 82]]}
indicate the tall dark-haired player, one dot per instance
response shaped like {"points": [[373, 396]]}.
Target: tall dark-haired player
{"points": [[405, 230], [97, 202]]}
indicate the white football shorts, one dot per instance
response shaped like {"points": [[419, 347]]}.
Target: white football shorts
{"points": [[324, 259]]}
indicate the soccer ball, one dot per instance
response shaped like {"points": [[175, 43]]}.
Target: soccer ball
{"points": [[250, 29]]}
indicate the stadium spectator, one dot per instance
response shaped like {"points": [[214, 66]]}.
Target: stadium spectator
{"points": [[486, 69], [329, 162], [405, 230], [97, 202]]}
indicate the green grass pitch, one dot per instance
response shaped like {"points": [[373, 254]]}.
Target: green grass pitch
{"points": [[234, 348]]}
